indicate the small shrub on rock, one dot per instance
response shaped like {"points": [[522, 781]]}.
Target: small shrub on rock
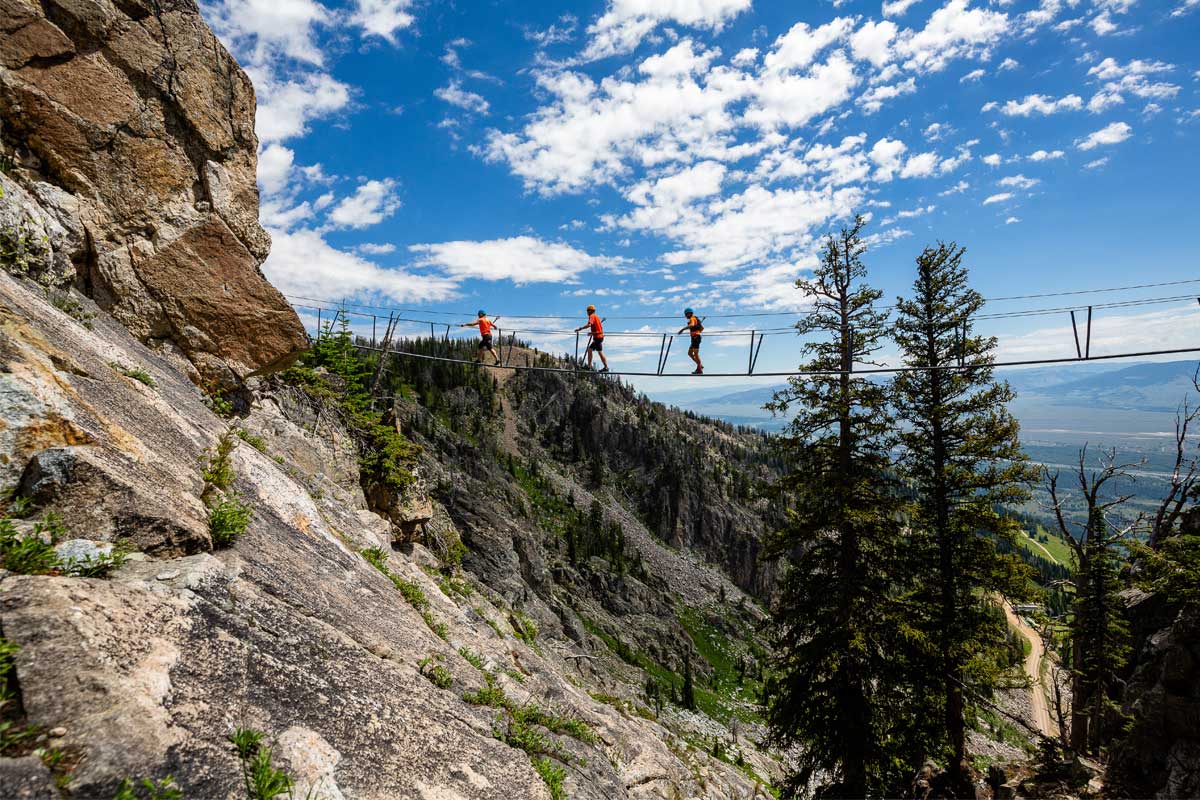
{"points": [[146, 789], [227, 520], [438, 675], [30, 555], [262, 780], [553, 775]]}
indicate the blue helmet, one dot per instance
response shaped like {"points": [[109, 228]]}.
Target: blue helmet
{"points": [[482, 313], [687, 312]]}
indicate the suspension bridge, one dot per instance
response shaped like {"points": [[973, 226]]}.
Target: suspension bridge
{"points": [[1081, 319]]}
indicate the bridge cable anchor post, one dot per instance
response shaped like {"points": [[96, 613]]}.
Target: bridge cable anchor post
{"points": [[1087, 344], [667, 355], [1075, 330]]}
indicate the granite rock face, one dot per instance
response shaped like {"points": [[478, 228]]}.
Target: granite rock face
{"points": [[129, 147], [290, 631]]}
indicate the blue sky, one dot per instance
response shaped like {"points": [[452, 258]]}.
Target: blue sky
{"points": [[651, 154]]}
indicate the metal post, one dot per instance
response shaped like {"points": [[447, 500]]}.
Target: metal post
{"points": [[373, 320], [447, 332], [1075, 329], [577, 347], [318, 323], [1087, 345], [750, 357], [670, 342], [661, 348], [499, 344], [757, 350]]}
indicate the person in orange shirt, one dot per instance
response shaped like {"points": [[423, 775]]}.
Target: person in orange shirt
{"points": [[485, 334], [596, 326], [696, 326]]}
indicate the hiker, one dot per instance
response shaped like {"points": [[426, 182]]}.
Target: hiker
{"points": [[696, 326], [597, 334], [485, 326]]}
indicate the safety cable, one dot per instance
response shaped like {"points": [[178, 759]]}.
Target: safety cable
{"points": [[794, 312]]}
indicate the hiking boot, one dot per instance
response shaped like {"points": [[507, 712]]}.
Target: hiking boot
{"points": [[604, 370], [698, 371]]}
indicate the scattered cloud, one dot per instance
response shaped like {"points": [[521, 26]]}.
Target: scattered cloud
{"points": [[1019, 182], [998, 198], [1046, 155], [371, 249], [1038, 104], [520, 259], [973, 75], [456, 95], [1099, 162], [373, 201], [381, 18], [1115, 133], [625, 23]]}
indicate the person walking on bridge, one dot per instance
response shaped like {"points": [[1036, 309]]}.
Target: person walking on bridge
{"points": [[485, 326], [596, 331], [696, 326]]}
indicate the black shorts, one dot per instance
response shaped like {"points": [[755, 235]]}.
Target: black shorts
{"points": [[485, 341], [597, 345], [696, 341]]}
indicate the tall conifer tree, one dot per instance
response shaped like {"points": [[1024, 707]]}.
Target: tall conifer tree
{"points": [[836, 628], [961, 453]]}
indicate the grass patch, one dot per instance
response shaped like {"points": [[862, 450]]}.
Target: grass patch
{"points": [[524, 628], [136, 373], [257, 442], [472, 658], [146, 789]]}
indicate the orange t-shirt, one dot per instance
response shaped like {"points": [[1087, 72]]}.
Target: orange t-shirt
{"points": [[597, 328], [485, 326]]}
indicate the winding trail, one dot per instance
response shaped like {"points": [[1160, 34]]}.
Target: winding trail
{"points": [[1033, 668]]}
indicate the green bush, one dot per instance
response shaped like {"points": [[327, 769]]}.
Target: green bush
{"points": [[489, 695], [262, 780], [553, 775], [472, 658], [30, 555], [438, 675], [385, 455], [227, 520], [218, 472]]}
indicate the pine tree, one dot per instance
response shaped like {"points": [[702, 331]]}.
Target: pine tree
{"points": [[689, 688], [838, 656], [1099, 634], [962, 455]]}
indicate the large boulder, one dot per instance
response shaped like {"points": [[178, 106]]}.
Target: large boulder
{"points": [[128, 139]]}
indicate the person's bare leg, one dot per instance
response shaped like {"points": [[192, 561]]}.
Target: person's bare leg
{"points": [[492, 350], [603, 360]]}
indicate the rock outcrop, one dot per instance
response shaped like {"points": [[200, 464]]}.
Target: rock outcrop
{"points": [[127, 139], [1159, 756]]}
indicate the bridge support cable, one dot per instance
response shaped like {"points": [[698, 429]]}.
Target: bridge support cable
{"points": [[583, 372]]}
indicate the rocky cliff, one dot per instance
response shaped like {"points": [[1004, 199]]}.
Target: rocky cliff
{"points": [[128, 156], [370, 663]]}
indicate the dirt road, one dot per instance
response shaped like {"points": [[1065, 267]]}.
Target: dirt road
{"points": [[1033, 668]]}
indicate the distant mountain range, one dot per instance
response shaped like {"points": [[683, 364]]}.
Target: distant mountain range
{"points": [[1100, 397]]}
